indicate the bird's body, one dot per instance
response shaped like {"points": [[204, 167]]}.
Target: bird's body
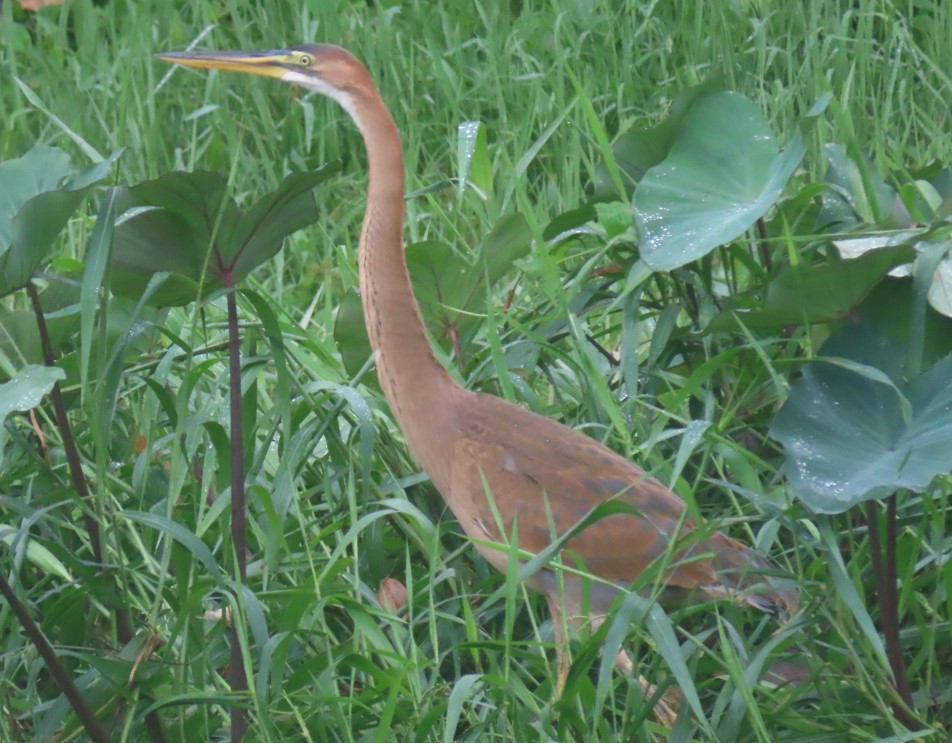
{"points": [[503, 470], [561, 476]]}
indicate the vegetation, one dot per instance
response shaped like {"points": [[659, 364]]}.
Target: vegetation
{"points": [[771, 382]]}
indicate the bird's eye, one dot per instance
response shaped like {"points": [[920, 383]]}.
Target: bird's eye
{"points": [[305, 60]]}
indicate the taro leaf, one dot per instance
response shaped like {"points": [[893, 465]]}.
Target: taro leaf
{"points": [[637, 150], [277, 215], [723, 173], [817, 294], [451, 290], [509, 241], [40, 170], [940, 287], [854, 247], [891, 306], [852, 431], [24, 392], [856, 195], [936, 253], [940, 291], [60, 302], [169, 224], [37, 198]]}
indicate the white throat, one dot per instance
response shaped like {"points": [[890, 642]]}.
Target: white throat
{"points": [[319, 86]]}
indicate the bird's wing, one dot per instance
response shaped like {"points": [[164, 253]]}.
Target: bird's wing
{"points": [[545, 478]]}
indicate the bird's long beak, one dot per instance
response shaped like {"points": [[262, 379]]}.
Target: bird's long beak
{"points": [[268, 63]]}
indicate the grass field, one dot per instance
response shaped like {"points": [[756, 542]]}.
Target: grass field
{"points": [[336, 505]]}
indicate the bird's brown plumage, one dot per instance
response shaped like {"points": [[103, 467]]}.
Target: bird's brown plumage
{"points": [[545, 478], [497, 465]]}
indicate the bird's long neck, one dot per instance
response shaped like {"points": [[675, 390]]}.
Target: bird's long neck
{"points": [[420, 391]]}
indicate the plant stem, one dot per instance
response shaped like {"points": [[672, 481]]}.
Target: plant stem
{"points": [[239, 682], [123, 624], [888, 597], [65, 682], [73, 460], [899, 667]]}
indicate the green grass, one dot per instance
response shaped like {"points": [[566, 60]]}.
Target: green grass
{"points": [[336, 503]]}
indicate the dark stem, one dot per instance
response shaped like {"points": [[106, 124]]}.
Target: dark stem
{"points": [[123, 623], [239, 684], [895, 654], [73, 460], [63, 679], [887, 594], [602, 350]]}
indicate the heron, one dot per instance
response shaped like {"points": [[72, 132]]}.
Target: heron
{"points": [[512, 479]]}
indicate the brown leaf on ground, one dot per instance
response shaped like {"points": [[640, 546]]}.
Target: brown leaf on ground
{"points": [[37, 4], [392, 595]]}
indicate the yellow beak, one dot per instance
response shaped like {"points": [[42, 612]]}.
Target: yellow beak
{"points": [[267, 63]]}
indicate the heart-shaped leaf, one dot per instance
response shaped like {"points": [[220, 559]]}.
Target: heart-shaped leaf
{"points": [[893, 306], [40, 170], [723, 173], [940, 291], [260, 233], [856, 193], [816, 294], [853, 431], [185, 225], [641, 148], [38, 194]]}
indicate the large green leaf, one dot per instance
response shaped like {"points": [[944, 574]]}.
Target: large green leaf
{"points": [[723, 172], [19, 339], [259, 234], [940, 286], [852, 430], [893, 306], [24, 392], [167, 226], [60, 301], [815, 294], [856, 193], [40, 170], [641, 148], [940, 291], [184, 224], [450, 289], [38, 194]]}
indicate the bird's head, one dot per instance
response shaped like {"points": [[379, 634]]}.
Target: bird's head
{"points": [[324, 68]]}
